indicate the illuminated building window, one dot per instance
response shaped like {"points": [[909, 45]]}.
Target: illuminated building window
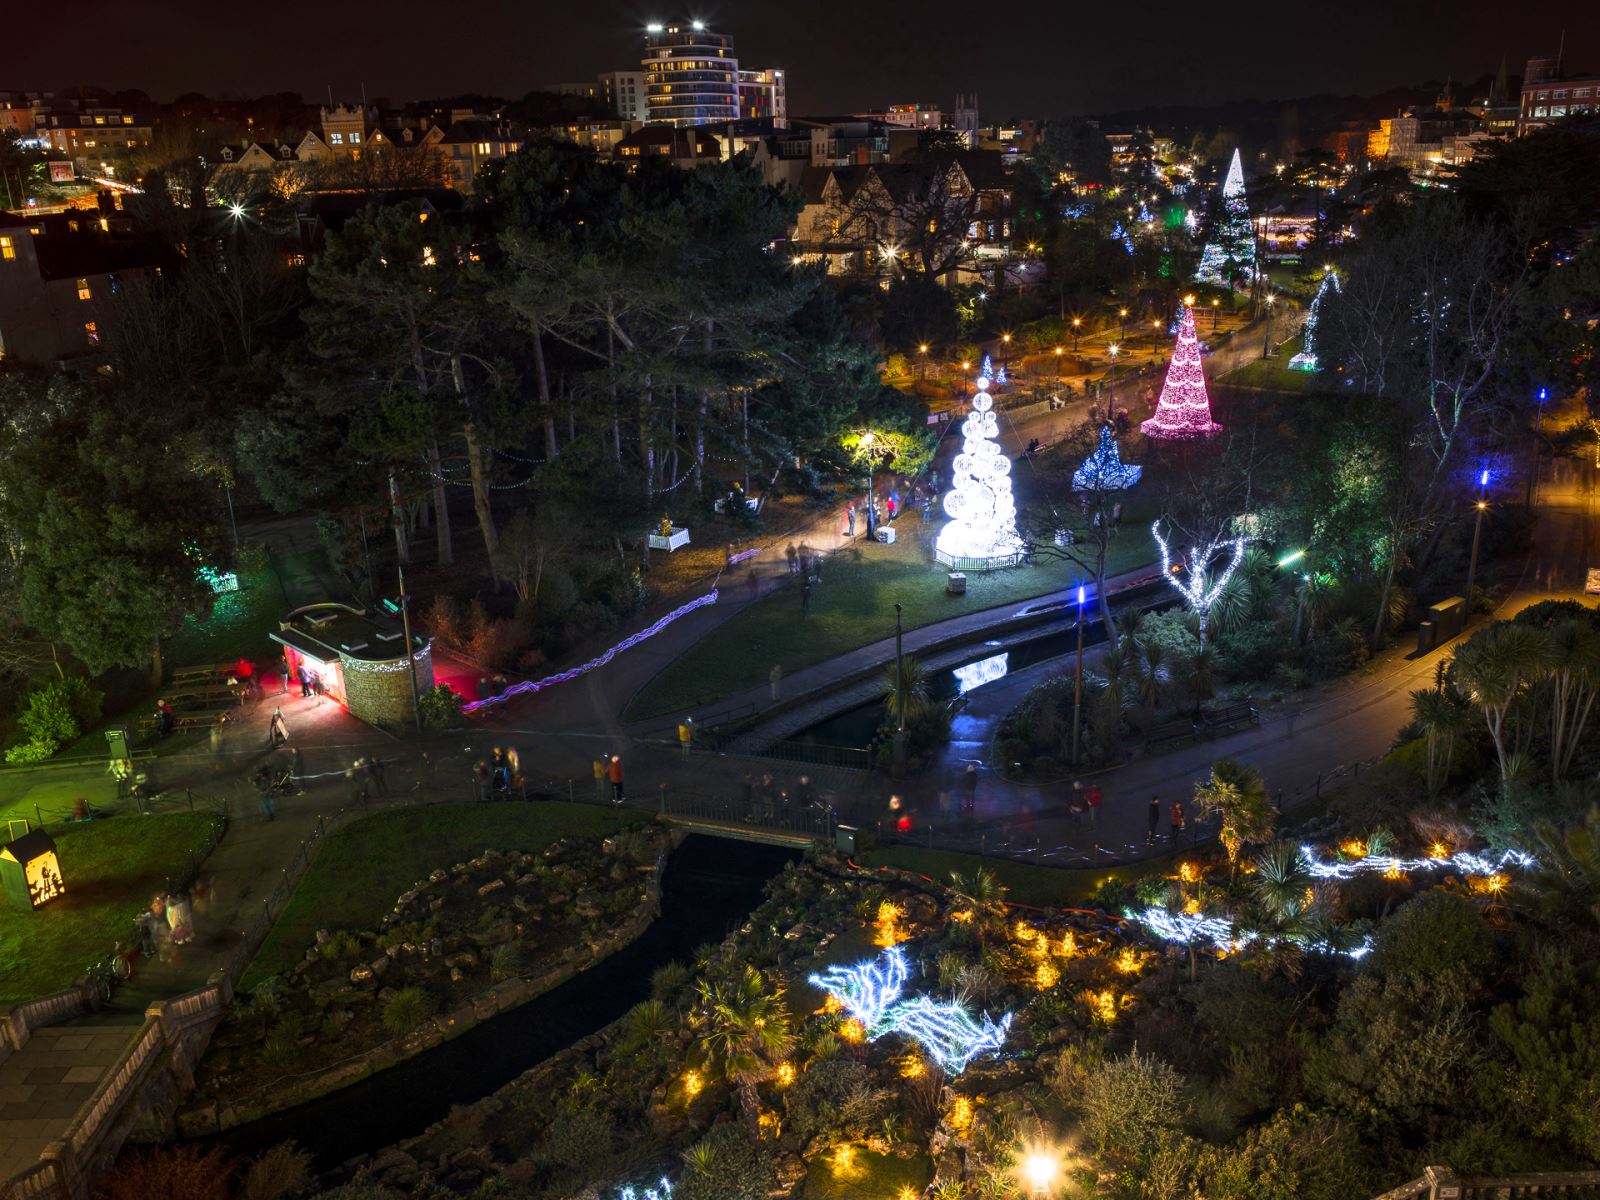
{"points": [[428, 259], [92, 332], [355, 139], [7, 250], [83, 290], [336, 139], [483, 147], [127, 120]]}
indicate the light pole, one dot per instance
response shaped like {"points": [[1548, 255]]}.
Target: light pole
{"points": [[922, 352], [1122, 320], [1076, 323], [1113, 348], [1155, 336], [1005, 341], [866, 446], [1477, 536], [1077, 683], [1058, 364], [1266, 338], [1216, 308], [1533, 470], [405, 607], [899, 690]]}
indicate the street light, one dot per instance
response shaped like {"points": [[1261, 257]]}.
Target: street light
{"points": [[1114, 349], [922, 350], [1122, 317], [1155, 334], [1040, 1168], [1538, 427], [1005, 339], [1216, 307], [1266, 338], [1076, 322], [1477, 535], [1058, 364], [1077, 683]]}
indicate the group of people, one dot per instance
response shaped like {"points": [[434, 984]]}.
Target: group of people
{"points": [[765, 800], [169, 920], [608, 775], [918, 495], [1086, 802], [498, 775]]}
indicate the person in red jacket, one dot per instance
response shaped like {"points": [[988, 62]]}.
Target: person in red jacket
{"points": [[615, 773], [1092, 798]]}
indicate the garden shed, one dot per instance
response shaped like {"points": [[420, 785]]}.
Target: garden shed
{"points": [[357, 658], [30, 872]]}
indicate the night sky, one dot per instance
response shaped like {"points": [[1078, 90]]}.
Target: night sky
{"points": [[841, 55]]}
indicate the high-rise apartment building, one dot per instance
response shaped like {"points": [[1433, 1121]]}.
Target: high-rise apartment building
{"points": [[691, 74], [763, 95], [624, 92]]}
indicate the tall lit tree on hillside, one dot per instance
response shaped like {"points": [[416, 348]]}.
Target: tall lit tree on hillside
{"points": [[1184, 411]]}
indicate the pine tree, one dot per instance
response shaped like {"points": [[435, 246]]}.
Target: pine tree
{"points": [[1231, 256], [1104, 470]]}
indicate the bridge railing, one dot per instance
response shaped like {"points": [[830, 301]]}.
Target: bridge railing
{"points": [[1441, 1183]]}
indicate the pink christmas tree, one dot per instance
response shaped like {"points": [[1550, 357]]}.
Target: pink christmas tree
{"points": [[1184, 411]]}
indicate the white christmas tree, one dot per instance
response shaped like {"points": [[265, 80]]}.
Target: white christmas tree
{"points": [[982, 531], [1233, 251], [1306, 360], [1184, 411]]}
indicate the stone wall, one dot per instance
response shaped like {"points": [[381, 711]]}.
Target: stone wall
{"points": [[380, 692]]}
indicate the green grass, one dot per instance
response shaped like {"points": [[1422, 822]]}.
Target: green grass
{"points": [[237, 627], [1274, 374], [1025, 884], [869, 1176], [111, 869], [366, 864], [853, 606]]}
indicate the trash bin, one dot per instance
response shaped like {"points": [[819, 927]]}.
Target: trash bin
{"points": [[844, 839]]}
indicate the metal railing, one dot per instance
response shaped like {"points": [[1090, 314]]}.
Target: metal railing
{"points": [[1441, 1183]]}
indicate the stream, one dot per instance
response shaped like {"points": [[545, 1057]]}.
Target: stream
{"points": [[709, 888]]}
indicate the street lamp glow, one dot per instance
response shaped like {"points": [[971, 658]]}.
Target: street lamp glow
{"points": [[1058, 350], [236, 209], [1483, 478], [1080, 595], [1040, 1168], [653, 27], [922, 348], [1006, 338]]}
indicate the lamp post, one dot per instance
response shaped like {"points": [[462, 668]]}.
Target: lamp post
{"points": [[1477, 536], [1077, 322], [1122, 320], [866, 446], [899, 691], [1266, 338], [1040, 1169], [1216, 308], [1077, 683], [1114, 349], [922, 359], [1538, 427], [1155, 336], [405, 607], [1058, 364], [1005, 341]]}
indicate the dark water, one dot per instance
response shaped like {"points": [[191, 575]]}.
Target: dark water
{"points": [[988, 662], [710, 887]]}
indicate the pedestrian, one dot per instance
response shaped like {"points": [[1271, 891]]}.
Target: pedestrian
{"points": [[793, 557], [805, 596], [178, 919], [166, 719], [1076, 804], [927, 506], [747, 795], [805, 564], [499, 776], [775, 678], [1092, 797], [482, 779], [380, 785], [753, 584], [850, 520], [769, 796], [1116, 515], [316, 685], [1175, 819], [297, 770], [283, 672], [1155, 820], [304, 677], [891, 504], [276, 729], [686, 735], [802, 792], [971, 800], [600, 780], [356, 779], [616, 779], [263, 782]]}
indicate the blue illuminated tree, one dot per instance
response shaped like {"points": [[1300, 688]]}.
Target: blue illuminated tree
{"points": [[1104, 470]]}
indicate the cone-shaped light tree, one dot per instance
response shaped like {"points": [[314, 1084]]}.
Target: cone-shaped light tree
{"points": [[1232, 253], [1184, 411], [1306, 360], [1104, 470], [982, 531]]}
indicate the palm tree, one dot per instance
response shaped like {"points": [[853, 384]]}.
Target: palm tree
{"points": [[984, 894], [1496, 666], [1130, 621], [1312, 600], [1150, 682], [1281, 880], [1442, 715], [1568, 877], [1198, 680], [906, 675], [1239, 795], [745, 1030], [1575, 683]]}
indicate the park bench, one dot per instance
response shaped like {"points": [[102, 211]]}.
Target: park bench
{"points": [[193, 719], [1242, 712], [1170, 733]]}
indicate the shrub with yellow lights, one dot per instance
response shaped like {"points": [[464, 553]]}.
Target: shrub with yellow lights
{"points": [[886, 927], [1102, 1005], [843, 1162], [912, 1067], [1129, 961], [1046, 976], [693, 1084], [784, 1075], [959, 1117], [1189, 872], [851, 1030], [1023, 932], [1353, 848]]}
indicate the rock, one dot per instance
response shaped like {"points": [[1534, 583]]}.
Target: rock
{"points": [[455, 975], [322, 935], [386, 994], [494, 885], [362, 974], [438, 876], [435, 905], [587, 906], [379, 965]]}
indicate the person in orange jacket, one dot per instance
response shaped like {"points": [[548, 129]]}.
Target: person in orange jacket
{"points": [[616, 779]]}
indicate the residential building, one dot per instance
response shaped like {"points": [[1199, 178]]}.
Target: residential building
{"points": [[691, 75], [99, 141], [907, 116], [344, 129], [60, 274], [685, 146], [763, 96], [1548, 97], [469, 146], [623, 92], [600, 136]]}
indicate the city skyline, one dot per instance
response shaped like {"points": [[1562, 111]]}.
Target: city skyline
{"points": [[837, 58]]}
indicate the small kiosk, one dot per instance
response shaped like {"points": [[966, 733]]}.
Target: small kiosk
{"points": [[30, 872], [357, 659]]}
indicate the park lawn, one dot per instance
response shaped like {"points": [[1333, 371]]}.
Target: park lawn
{"points": [[367, 864], [111, 869], [1274, 374], [865, 1175], [237, 627], [853, 606], [1044, 887]]}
